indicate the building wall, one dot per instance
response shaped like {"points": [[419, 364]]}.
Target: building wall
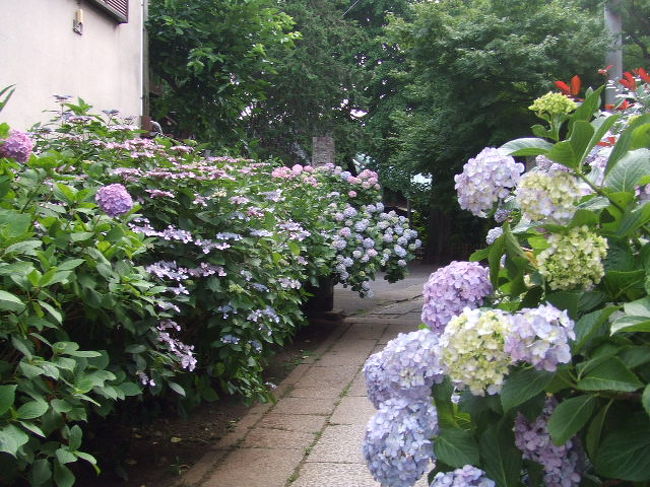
{"points": [[42, 56]]}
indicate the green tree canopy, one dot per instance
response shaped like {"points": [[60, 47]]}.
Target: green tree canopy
{"points": [[209, 58]]}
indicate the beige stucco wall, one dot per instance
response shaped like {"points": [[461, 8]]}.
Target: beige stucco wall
{"points": [[42, 56]]}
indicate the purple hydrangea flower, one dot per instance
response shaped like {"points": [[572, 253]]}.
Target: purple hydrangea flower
{"points": [[541, 337], [397, 445], [562, 464], [407, 368], [468, 476], [114, 200], [486, 179], [17, 146], [451, 289], [493, 234]]}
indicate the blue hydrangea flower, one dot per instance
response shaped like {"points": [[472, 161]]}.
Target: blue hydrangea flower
{"points": [[486, 179], [397, 445], [540, 336], [407, 368], [468, 476], [451, 289]]}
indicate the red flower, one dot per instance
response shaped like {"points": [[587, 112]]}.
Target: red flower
{"points": [[643, 74], [628, 81], [608, 141], [624, 105], [573, 90], [604, 71]]}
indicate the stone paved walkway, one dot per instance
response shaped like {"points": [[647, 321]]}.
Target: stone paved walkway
{"points": [[311, 437]]}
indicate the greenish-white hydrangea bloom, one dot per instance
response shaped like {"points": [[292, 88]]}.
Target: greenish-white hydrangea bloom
{"points": [[473, 350], [553, 104], [548, 195], [573, 260]]}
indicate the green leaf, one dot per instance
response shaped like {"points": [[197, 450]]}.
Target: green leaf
{"points": [[527, 147], [70, 264], [74, 438], [501, 460], [494, 258], [624, 142], [10, 302], [33, 428], [628, 324], [595, 429], [64, 456], [456, 447], [627, 283], [569, 417], [55, 313], [627, 173], [176, 388], [523, 385], [640, 307], [27, 247], [7, 397], [11, 439], [32, 409], [623, 453], [633, 220], [563, 153], [645, 399], [611, 375], [40, 472], [63, 476], [587, 108], [591, 325], [442, 396]]}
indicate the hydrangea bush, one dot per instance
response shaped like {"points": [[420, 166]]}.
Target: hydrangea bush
{"points": [[138, 267], [542, 361]]}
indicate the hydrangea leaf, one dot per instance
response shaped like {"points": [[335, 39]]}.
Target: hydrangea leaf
{"points": [[528, 146], [611, 375], [623, 453], [456, 447], [499, 457], [624, 141], [7, 396], [523, 385], [625, 175], [569, 417], [595, 430]]}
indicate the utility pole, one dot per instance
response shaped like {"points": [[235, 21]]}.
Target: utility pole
{"points": [[614, 56]]}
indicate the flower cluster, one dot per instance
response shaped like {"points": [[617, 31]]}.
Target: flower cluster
{"points": [[468, 476], [451, 289], [486, 179], [114, 200], [184, 352], [574, 259], [406, 368], [473, 350], [548, 195], [397, 445], [17, 146], [493, 234], [540, 336], [553, 104], [561, 463]]}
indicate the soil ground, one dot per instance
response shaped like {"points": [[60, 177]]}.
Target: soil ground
{"points": [[158, 452]]}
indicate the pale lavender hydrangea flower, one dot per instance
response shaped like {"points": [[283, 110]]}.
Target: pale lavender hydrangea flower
{"points": [[486, 179], [17, 146], [397, 445], [562, 464], [468, 476], [451, 289], [114, 200], [540, 336], [493, 234], [407, 368]]}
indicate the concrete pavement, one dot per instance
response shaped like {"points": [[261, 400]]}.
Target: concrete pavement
{"points": [[312, 435]]}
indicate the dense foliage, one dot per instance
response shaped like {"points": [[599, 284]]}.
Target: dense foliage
{"points": [[537, 364], [134, 267]]}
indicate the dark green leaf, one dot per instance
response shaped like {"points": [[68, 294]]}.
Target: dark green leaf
{"points": [[595, 430], [63, 476], [456, 447], [500, 459], [32, 409], [11, 439], [10, 302], [527, 147], [611, 375], [523, 385], [569, 417], [40, 472], [623, 453], [626, 324], [624, 142], [627, 173], [7, 396]]}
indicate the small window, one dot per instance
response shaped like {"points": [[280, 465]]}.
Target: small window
{"points": [[118, 9]]}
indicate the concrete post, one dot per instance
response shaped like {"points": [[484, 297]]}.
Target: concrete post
{"points": [[614, 56]]}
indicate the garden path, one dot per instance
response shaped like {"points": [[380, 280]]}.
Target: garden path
{"points": [[311, 437]]}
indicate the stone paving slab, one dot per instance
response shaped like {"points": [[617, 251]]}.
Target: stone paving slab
{"points": [[277, 438], [293, 422], [353, 410], [339, 443]]}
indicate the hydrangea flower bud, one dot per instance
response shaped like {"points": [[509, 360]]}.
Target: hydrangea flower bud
{"points": [[553, 104], [548, 195], [468, 476], [473, 350], [573, 260]]}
